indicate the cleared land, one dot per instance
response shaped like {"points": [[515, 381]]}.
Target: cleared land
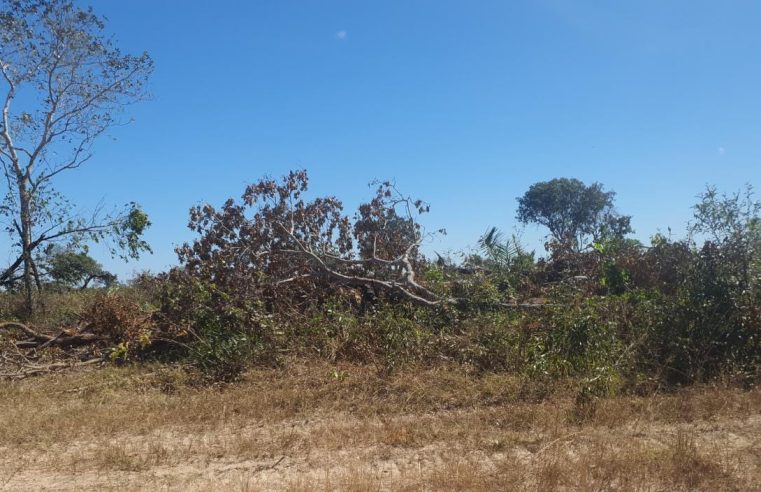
{"points": [[317, 426]]}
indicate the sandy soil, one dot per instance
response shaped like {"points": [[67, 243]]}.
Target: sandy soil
{"points": [[476, 448]]}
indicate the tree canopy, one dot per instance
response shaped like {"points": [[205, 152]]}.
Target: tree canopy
{"points": [[74, 269], [574, 213]]}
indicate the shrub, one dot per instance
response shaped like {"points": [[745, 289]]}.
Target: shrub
{"points": [[220, 333]]}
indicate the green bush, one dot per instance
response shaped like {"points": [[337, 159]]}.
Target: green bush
{"points": [[220, 335]]}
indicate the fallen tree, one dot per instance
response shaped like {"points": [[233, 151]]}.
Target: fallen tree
{"points": [[276, 245], [37, 340]]}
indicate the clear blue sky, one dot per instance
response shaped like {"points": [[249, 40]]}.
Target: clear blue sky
{"points": [[463, 103]]}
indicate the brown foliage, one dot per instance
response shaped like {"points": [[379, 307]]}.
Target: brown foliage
{"points": [[278, 247], [116, 318]]}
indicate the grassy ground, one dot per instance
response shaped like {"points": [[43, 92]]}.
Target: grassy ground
{"points": [[317, 426]]}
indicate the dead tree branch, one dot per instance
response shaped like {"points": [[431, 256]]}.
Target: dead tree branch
{"points": [[38, 340]]}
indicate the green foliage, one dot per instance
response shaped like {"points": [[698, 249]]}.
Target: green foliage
{"points": [[73, 269], [491, 342], [506, 258], [129, 231], [221, 355], [629, 318], [614, 279], [221, 335], [480, 292], [732, 225], [669, 314], [711, 324], [573, 212]]}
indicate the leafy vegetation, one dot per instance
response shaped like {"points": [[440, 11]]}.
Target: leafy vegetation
{"points": [[280, 273], [70, 269], [64, 84], [574, 213], [286, 310]]}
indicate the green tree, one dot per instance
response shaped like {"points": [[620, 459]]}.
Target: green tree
{"points": [[731, 225], [65, 84], [77, 270], [574, 213]]}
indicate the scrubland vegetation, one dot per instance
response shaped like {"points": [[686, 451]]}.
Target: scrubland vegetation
{"points": [[298, 345], [278, 276], [292, 350]]}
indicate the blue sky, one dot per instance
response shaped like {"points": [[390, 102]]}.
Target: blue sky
{"points": [[464, 103]]}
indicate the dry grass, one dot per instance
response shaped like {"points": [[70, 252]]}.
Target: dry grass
{"points": [[318, 426]]}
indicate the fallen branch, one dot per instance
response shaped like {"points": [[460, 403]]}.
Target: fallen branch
{"points": [[405, 284], [41, 340]]}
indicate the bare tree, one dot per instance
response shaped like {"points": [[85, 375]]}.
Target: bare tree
{"points": [[65, 84]]}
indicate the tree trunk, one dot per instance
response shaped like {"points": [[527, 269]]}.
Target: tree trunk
{"points": [[37, 278], [26, 245]]}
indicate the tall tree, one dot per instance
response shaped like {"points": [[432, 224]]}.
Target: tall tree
{"points": [[65, 84], [573, 212]]}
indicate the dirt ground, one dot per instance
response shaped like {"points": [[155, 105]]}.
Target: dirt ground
{"points": [[321, 427]]}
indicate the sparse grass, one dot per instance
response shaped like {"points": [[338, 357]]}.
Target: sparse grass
{"points": [[303, 428]]}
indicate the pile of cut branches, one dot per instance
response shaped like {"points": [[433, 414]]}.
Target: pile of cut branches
{"points": [[64, 338], [21, 359]]}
